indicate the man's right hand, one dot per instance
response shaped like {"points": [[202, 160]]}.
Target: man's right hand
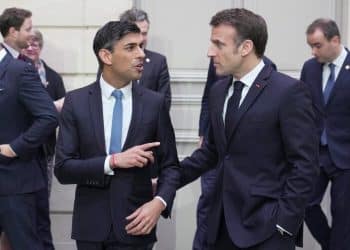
{"points": [[137, 156]]}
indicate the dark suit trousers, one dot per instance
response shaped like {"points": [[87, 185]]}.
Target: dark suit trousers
{"points": [[208, 181], [43, 211], [275, 242], [17, 218], [336, 237], [110, 244]]}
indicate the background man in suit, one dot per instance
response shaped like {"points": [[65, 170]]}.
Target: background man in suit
{"points": [[261, 138], [208, 180], [15, 27], [106, 149], [27, 117], [328, 77], [155, 75], [53, 84]]}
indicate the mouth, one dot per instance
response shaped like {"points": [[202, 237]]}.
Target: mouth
{"points": [[139, 67]]}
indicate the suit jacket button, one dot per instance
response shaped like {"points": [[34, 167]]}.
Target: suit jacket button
{"points": [[227, 157]]}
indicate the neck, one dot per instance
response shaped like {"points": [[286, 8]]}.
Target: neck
{"points": [[12, 44], [337, 53], [247, 65], [113, 80]]}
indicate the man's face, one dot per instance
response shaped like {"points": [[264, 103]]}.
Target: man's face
{"points": [[322, 49], [22, 36], [126, 60], [224, 51], [144, 27], [33, 50]]}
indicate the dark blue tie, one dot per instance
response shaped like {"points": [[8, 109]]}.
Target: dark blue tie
{"points": [[117, 123], [330, 83], [326, 93], [232, 106]]}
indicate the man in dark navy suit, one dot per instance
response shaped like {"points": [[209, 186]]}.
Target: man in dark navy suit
{"points": [[261, 138], [208, 180], [110, 132], [27, 118], [328, 77]]}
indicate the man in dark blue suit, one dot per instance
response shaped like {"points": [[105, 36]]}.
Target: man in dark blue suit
{"points": [[328, 77], [261, 138], [27, 117], [110, 131], [208, 180]]}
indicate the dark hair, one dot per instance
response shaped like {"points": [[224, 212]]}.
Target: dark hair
{"points": [[109, 34], [247, 24], [327, 26], [12, 17], [134, 15]]}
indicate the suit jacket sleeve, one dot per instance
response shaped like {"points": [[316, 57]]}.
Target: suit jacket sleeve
{"points": [[167, 158], [70, 168], [164, 82], [204, 114], [301, 146], [45, 118]]}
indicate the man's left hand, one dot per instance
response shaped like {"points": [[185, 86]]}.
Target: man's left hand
{"points": [[6, 150], [143, 220]]}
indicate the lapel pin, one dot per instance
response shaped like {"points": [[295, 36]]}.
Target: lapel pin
{"points": [[347, 67], [257, 85], [148, 60]]}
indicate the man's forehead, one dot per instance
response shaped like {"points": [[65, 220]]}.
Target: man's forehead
{"points": [[135, 38]]}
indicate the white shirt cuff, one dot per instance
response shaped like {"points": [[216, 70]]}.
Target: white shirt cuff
{"points": [[107, 168], [161, 199], [279, 228]]}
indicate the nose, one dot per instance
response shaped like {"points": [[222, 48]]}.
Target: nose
{"points": [[211, 51], [141, 52], [314, 51]]}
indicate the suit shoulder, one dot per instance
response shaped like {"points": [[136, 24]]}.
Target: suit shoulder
{"points": [[51, 70], [153, 54], [81, 91], [312, 62]]}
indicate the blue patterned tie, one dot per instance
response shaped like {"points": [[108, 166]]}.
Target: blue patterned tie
{"points": [[117, 123], [326, 93]]}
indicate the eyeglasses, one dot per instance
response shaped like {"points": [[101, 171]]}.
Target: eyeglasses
{"points": [[34, 45]]}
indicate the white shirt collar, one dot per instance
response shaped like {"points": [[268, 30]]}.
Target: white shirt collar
{"points": [[338, 62], [107, 89], [250, 77], [12, 51]]}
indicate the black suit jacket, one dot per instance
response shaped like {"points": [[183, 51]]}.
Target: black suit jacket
{"points": [[27, 117], [80, 154], [335, 115], [266, 165], [155, 75], [211, 79]]}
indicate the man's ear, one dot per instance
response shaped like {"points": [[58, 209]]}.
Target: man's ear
{"points": [[105, 56], [12, 32], [247, 47]]}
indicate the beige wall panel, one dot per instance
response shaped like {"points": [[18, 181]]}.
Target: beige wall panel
{"points": [[180, 30], [97, 13], [51, 12], [287, 22]]}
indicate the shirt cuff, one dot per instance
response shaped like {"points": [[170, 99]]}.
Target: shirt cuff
{"points": [[282, 230], [161, 199], [107, 168]]}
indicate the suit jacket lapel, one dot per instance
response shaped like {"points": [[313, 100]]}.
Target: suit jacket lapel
{"points": [[96, 111], [137, 109], [255, 90], [343, 75]]}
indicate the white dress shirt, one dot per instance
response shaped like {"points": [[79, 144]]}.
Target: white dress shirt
{"points": [[108, 102], [247, 80], [338, 62]]}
